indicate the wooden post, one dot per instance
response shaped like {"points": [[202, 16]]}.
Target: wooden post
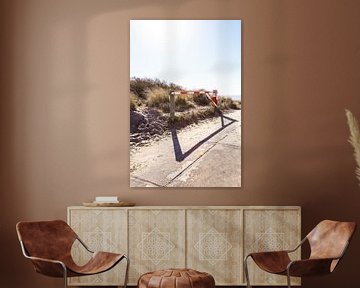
{"points": [[172, 105]]}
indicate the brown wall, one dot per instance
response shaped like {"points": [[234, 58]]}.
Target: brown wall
{"points": [[64, 112]]}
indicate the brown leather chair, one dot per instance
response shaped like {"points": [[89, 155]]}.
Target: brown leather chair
{"points": [[48, 245], [328, 242]]}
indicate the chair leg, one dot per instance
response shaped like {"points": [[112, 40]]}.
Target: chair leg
{"points": [[65, 276], [127, 270], [288, 278], [246, 272]]}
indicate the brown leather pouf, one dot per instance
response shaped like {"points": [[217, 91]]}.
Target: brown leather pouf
{"points": [[176, 278]]}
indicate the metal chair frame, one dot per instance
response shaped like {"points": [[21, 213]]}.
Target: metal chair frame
{"points": [[246, 270], [23, 249]]}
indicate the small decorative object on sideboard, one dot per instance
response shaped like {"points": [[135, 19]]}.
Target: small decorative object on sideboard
{"points": [[108, 201]]}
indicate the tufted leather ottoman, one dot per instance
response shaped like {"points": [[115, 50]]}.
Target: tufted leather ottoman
{"points": [[176, 278]]}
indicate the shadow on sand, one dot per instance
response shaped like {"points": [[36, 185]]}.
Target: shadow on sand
{"points": [[180, 156]]}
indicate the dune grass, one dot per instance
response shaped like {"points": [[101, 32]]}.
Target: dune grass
{"points": [[158, 98], [354, 140], [146, 92]]}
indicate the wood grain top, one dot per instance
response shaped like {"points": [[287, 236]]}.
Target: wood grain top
{"points": [[194, 207]]}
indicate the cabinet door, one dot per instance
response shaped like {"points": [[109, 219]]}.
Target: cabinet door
{"points": [[156, 240], [100, 230], [271, 230], [214, 244]]}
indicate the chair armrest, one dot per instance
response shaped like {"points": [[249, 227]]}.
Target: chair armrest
{"points": [[298, 246], [269, 252], [309, 267], [83, 244], [48, 267], [280, 251], [45, 260]]}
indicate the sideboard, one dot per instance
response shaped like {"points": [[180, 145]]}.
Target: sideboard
{"points": [[213, 239]]}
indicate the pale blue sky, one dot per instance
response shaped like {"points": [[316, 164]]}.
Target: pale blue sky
{"points": [[192, 53]]}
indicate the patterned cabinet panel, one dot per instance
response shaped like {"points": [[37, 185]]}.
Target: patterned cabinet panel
{"points": [[101, 230], [156, 240], [214, 244], [269, 230]]}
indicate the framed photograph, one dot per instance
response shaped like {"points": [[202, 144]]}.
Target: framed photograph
{"points": [[185, 103]]}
